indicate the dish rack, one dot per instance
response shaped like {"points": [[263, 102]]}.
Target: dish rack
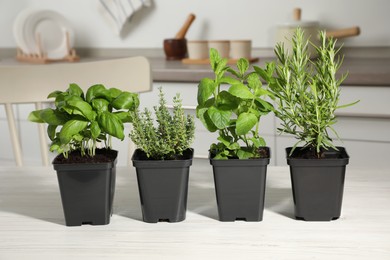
{"points": [[41, 56]]}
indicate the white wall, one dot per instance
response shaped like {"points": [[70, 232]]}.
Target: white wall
{"points": [[216, 19]]}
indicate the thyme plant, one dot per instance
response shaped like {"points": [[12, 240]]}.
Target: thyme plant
{"points": [[307, 92], [166, 136]]}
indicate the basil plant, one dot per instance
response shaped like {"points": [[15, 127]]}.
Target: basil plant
{"points": [[80, 121], [232, 103]]}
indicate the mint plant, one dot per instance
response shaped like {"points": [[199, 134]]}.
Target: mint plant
{"points": [[307, 91], [235, 112], [167, 135], [80, 122]]}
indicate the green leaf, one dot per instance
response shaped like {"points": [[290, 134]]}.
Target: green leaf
{"points": [[124, 116], [207, 122], [78, 137], [221, 68], [75, 90], [201, 113], [261, 92], [348, 105], [34, 116], [114, 92], [241, 91], [54, 94], [244, 154], [262, 73], [232, 71], [60, 101], [258, 142], [220, 118], [242, 65], [227, 101], [225, 140], [95, 91], [51, 131], [263, 105], [214, 58], [83, 109], [229, 80], [234, 146], [126, 100], [245, 122], [206, 88], [95, 130], [100, 104], [254, 81], [71, 128], [111, 124], [49, 116]]}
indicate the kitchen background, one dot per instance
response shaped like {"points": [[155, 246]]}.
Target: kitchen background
{"points": [[216, 19], [365, 125]]}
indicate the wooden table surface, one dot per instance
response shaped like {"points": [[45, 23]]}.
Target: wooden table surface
{"points": [[32, 224]]}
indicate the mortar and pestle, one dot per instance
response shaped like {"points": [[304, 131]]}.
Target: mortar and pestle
{"points": [[176, 48]]}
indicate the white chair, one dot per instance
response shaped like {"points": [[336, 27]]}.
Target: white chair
{"points": [[23, 84]]}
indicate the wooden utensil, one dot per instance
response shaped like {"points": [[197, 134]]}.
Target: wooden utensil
{"points": [[183, 31], [339, 33], [176, 48], [342, 33]]}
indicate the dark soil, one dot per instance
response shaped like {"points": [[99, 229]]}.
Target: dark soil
{"points": [[263, 152], [141, 155], [101, 156], [310, 153]]}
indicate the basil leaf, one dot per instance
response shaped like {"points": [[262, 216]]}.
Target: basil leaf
{"points": [[126, 100], [111, 124], [95, 91], [75, 90], [71, 128]]}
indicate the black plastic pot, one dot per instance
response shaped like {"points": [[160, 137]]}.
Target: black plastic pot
{"points": [[240, 188], [318, 185], [163, 187], [87, 192]]}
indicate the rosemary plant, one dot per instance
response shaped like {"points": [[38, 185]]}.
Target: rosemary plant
{"points": [[307, 91], [168, 135]]}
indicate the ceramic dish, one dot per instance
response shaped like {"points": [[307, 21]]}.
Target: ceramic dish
{"points": [[51, 27], [18, 29]]}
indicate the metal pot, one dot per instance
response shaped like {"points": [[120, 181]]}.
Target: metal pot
{"points": [[286, 31]]}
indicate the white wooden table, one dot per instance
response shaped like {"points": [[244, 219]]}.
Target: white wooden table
{"points": [[32, 224]]}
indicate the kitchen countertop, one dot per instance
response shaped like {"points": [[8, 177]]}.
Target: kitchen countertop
{"points": [[32, 222], [361, 71], [366, 66]]}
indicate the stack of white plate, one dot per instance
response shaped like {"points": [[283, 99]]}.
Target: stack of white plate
{"points": [[51, 28]]}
